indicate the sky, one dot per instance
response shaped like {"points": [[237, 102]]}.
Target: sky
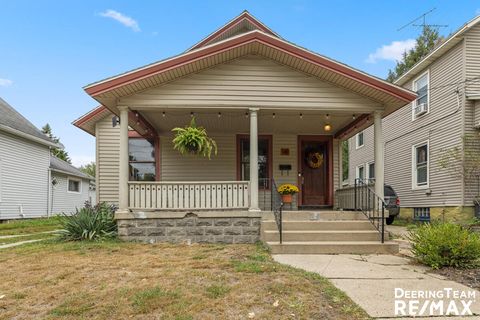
{"points": [[50, 49]]}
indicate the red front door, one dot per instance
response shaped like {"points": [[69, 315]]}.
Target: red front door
{"points": [[314, 164]]}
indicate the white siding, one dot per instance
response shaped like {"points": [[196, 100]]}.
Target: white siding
{"points": [[108, 146], [64, 201], [24, 177], [442, 127]]}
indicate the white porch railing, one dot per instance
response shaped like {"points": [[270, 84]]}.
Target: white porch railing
{"points": [[170, 195]]}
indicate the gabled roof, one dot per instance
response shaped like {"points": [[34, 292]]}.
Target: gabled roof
{"points": [[253, 42], [58, 165], [242, 23], [446, 45], [13, 122], [88, 120], [224, 46]]}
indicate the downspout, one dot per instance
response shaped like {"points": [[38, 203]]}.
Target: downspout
{"points": [[50, 193]]}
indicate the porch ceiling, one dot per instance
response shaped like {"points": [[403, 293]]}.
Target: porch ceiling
{"points": [[236, 121]]}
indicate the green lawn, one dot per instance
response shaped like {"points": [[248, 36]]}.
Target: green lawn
{"points": [[29, 226]]}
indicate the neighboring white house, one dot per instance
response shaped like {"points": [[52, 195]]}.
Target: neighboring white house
{"points": [[71, 188], [25, 175]]}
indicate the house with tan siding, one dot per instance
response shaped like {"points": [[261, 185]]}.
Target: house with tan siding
{"points": [[259, 97], [417, 136]]}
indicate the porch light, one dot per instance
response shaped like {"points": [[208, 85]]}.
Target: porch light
{"points": [[246, 114], [301, 116], [219, 114], [327, 127], [327, 116], [163, 114], [191, 114], [273, 115], [353, 117]]}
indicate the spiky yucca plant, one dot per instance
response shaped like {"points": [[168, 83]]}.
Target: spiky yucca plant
{"points": [[89, 223], [194, 139]]}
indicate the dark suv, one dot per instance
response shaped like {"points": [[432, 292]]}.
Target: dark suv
{"points": [[392, 202]]}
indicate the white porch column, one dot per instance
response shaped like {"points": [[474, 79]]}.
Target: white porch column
{"points": [[253, 160], [123, 161], [379, 153]]}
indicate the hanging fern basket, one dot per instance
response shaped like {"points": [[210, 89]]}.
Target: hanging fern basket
{"points": [[193, 139]]}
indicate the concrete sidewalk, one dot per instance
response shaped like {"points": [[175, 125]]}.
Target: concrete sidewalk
{"points": [[370, 280]]}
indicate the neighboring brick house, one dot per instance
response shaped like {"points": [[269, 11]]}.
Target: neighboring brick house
{"points": [[447, 82]]}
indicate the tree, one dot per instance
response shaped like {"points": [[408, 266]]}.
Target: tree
{"points": [[345, 160], [426, 42], [89, 169], [57, 152], [463, 162]]}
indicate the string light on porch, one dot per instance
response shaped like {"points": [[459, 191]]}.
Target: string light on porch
{"points": [[163, 114], [353, 117], [191, 114], [273, 115], [219, 115], [246, 114], [301, 115], [327, 127]]}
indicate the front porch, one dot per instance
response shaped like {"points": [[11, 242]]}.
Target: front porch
{"points": [[282, 141]]}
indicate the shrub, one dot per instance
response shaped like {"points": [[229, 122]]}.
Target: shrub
{"points": [[89, 223], [445, 245]]}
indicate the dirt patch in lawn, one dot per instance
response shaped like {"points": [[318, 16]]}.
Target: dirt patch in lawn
{"points": [[116, 280], [468, 277]]}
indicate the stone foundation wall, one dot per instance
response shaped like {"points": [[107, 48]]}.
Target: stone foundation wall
{"points": [[452, 214], [190, 228]]}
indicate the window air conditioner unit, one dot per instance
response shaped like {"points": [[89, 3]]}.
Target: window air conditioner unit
{"points": [[421, 109]]}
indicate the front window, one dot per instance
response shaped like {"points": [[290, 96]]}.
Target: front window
{"points": [[74, 185], [360, 139], [420, 86], [264, 161], [141, 155], [420, 176]]}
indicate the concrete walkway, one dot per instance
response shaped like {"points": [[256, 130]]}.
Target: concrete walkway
{"points": [[26, 234], [370, 280], [14, 244]]}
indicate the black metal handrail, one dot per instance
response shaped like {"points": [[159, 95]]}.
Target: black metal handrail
{"points": [[371, 204], [277, 208]]}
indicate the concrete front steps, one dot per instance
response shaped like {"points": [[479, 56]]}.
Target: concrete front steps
{"points": [[325, 232]]}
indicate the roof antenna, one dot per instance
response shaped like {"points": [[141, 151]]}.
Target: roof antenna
{"points": [[423, 23]]}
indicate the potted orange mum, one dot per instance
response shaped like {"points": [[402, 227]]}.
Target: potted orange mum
{"points": [[287, 191]]}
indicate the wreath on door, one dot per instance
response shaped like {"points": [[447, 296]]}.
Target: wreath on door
{"points": [[314, 160]]}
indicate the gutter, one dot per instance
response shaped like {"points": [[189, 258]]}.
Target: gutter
{"points": [[30, 137], [72, 174]]}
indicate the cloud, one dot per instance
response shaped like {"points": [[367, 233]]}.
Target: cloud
{"points": [[80, 160], [392, 51], [123, 19], [5, 82]]}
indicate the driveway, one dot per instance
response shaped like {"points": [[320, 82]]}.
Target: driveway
{"points": [[370, 280]]}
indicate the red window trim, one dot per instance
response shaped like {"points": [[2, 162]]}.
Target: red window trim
{"points": [[267, 137]]}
